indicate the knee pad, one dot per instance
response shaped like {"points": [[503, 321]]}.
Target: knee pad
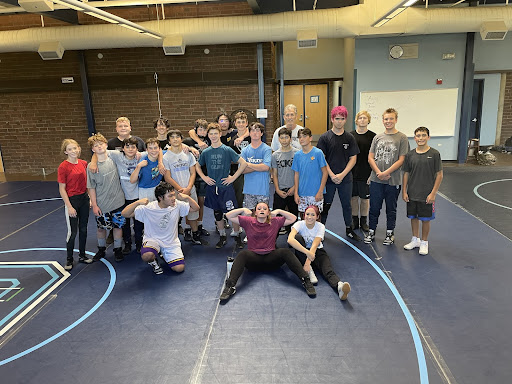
{"points": [[218, 215]]}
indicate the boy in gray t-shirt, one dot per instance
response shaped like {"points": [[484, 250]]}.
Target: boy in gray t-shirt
{"points": [[423, 173], [283, 175], [387, 153]]}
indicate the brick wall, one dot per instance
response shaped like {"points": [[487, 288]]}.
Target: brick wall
{"points": [[506, 125], [33, 123]]}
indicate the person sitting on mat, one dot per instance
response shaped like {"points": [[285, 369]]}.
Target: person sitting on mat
{"points": [[310, 250], [261, 254]]}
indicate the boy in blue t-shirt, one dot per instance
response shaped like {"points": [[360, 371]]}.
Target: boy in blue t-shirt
{"points": [[149, 172], [220, 194], [310, 173]]}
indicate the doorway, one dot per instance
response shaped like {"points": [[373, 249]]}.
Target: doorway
{"points": [[476, 108], [312, 101]]}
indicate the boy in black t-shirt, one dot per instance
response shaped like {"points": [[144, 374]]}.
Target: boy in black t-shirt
{"points": [[423, 173]]}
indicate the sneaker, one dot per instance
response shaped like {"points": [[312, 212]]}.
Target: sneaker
{"points": [[351, 234], [227, 293], [310, 290], [118, 254], [127, 248], [187, 236], [390, 238], [245, 240], [239, 243], [282, 231], [100, 254], [370, 236], [363, 224], [355, 222], [222, 242], [203, 231], [69, 265], [84, 259], [343, 290], [157, 269], [423, 248], [415, 243], [196, 239], [312, 276]]}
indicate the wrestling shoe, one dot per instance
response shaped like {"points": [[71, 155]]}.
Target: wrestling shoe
{"points": [[203, 231], [310, 290], [351, 234], [222, 242], [100, 254], [127, 248], [84, 259], [196, 238], [363, 224], [238, 241], [118, 254], [227, 293], [390, 238], [370, 236], [69, 265], [187, 234], [157, 269]]}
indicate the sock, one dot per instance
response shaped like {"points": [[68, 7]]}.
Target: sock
{"points": [[222, 232], [118, 243], [102, 242], [186, 226], [200, 222], [414, 238]]}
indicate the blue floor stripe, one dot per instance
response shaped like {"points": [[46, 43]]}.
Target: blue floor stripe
{"points": [[422, 364]]}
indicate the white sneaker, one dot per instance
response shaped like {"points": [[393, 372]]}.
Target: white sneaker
{"points": [[343, 290], [312, 276], [423, 248], [415, 243], [245, 240]]}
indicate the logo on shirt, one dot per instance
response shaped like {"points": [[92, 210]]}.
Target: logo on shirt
{"points": [[312, 158], [345, 146]]}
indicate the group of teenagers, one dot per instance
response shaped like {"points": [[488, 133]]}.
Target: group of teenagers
{"points": [[166, 178]]}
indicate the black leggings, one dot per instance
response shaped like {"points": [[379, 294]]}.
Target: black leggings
{"points": [[321, 262], [77, 224], [266, 262]]}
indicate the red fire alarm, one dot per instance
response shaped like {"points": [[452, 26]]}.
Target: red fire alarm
{"points": [[439, 81]]}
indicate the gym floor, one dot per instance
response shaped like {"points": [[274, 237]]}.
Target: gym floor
{"points": [[441, 318]]}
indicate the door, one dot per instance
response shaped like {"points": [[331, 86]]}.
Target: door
{"points": [[476, 109], [312, 104]]}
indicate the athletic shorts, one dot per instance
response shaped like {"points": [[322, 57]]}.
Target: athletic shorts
{"points": [[251, 201], [172, 255], [361, 189], [306, 201], [421, 210], [220, 199], [110, 220], [147, 192], [193, 215], [200, 187]]}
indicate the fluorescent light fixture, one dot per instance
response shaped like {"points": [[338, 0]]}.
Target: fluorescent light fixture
{"points": [[105, 18], [132, 28], [395, 11], [152, 35], [76, 8]]}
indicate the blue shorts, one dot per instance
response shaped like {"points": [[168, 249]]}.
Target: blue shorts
{"points": [[421, 210], [220, 199]]}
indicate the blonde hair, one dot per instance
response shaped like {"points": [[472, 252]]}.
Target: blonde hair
{"points": [[65, 144], [96, 138], [291, 107], [123, 118], [363, 113]]}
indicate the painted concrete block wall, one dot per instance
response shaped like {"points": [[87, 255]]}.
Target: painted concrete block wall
{"points": [[493, 55], [375, 72]]}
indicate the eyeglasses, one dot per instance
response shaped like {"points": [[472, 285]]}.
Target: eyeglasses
{"points": [[223, 120]]}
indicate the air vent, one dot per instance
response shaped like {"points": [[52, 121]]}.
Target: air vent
{"points": [[174, 45], [51, 51], [307, 39], [493, 30]]}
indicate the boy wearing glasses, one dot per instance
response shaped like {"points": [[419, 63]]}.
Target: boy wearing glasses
{"points": [[340, 150]]}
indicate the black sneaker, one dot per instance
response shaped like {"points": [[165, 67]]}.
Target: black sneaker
{"points": [[283, 231], [350, 233], [355, 222], [363, 224], [227, 293], [127, 248], [138, 247], [222, 242], [390, 238], [369, 237], [187, 236], [100, 254], [157, 269], [196, 239], [238, 241], [118, 254], [310, 290], [84, 259], [203, 231], [69, 265]]}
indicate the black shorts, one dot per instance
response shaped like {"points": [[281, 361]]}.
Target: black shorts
{"points": [[421, 210], [361, 189], [200, 187]]}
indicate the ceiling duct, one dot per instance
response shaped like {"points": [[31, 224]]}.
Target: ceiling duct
{"points": [[493, 30], [174, 45], [307, 39], [36, 5], [51, 51]]}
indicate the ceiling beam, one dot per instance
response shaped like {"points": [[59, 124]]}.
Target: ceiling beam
{"points": [[67, 15], [254, 6]]}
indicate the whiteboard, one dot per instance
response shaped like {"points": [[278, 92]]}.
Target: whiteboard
{"points": [[435, 109]]}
